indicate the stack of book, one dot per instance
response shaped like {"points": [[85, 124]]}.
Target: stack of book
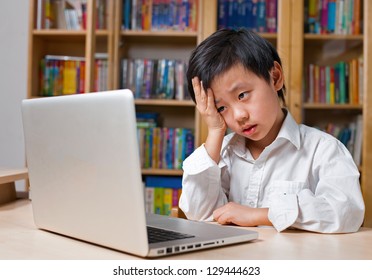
{"points": [[341, 83], [350, 135], [160, 15], [155, 78], [60, 75], [68, 14], [162, 193], [162, 147], [257, 15], [333, 16]]}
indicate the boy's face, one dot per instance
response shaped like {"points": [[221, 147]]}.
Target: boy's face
{"points": [[249, 105]]}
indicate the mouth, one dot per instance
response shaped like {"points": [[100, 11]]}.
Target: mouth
{"points": [[249, 130]]}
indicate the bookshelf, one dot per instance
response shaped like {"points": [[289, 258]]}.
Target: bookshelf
{"points": [[134, 42], [82, 44], [296, 48], [327, 49], [117, 44]]}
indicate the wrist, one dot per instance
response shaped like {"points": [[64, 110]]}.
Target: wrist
{"points": [[217, 132], [263, 217]]}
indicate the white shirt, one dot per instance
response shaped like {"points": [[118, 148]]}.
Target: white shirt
{"points": [[306, 177]]}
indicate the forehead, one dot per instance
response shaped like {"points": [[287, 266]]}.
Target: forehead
{"points": [[233, 78]]}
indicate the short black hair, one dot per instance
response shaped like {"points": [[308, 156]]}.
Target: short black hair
{"points": [[228, 47]]}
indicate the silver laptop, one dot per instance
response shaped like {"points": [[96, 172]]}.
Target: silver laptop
{"points": [[85, 178]]}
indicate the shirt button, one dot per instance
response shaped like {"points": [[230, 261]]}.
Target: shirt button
{"points": [[251, 204]]}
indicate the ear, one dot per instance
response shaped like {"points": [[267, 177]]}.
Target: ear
{"points": [[277, 76]]}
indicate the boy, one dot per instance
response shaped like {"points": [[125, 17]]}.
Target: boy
{"points": [[269, 170]]}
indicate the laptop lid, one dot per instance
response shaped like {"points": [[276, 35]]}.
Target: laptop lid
{"points": [[81, 181]]}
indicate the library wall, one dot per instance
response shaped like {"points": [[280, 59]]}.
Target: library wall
{"points": [[13, 81]]}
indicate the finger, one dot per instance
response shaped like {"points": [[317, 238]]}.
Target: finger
{"points": [[218, 212], [224, 218], [197, 88], [210, 100], [200, 95]]}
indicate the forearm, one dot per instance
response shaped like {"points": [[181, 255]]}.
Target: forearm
{"points": [[331, 209], [202, 190], [213, 144], [242, 215]]}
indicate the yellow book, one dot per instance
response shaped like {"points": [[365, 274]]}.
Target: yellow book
{"points": [[168, 201], [69, 78], [332, 86], [159, 200]]}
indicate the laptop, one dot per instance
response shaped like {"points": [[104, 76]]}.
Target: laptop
{"points": [[85, 178]]}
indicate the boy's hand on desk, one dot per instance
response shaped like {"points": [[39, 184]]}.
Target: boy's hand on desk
{"points": [[241, 215]]}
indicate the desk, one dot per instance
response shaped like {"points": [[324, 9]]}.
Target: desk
{"points": [[20, 239], [7, 179]]}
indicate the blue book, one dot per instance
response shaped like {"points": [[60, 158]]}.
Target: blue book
{"points": [[261, 16], [342, 82], [331, 24], [127, 14], [174, 182], [222, 14], [250, 15], [170, 148]]}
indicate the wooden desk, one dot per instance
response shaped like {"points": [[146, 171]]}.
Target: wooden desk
{"points": [[7, 179], [20, 239]]}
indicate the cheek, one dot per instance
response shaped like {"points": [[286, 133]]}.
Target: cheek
{"points": [[228, 119]]}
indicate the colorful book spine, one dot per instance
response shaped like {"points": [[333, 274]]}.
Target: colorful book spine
{"points": [[271, 16], [162, 193], [333, 16], [340, 83]]}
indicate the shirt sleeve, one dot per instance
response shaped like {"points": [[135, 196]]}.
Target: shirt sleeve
{"points": [[332, 203], [202, 190]]}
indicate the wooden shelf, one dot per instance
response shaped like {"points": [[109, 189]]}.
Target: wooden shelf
{"points": [[332, 106], [309, 36], [173, 172], [160, 33], [165, 102]]}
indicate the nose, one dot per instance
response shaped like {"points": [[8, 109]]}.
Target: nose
{"points": [[240, 114]]}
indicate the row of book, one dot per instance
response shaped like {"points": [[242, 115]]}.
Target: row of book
{"points": [[162, 193], [341, 83], [160, 15], [68, 14], [350, 135], [155, 79], [257, 15], [60, 75], [164, 147], [333, 16]]}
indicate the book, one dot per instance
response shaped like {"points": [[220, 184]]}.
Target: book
{"points": [[150, 200], [357, 153], [271, 15], [167, 201], [159, 201], [164, 193], [174, 182]]}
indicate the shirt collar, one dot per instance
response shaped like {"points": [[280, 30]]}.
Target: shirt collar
{"points": [[290, 131]]}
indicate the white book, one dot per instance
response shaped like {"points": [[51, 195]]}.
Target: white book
{"points": [[149, 199]]}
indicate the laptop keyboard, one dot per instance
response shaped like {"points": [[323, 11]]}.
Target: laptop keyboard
{"points": [[156, 235]]}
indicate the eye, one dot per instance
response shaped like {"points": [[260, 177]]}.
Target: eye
{"points": [[221, 109], [243, 95]]}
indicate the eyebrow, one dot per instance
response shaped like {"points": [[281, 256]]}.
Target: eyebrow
{"points": [[231, 90]]}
